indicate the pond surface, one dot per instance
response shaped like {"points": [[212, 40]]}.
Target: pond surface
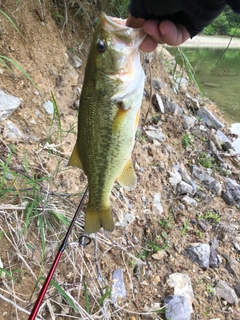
{"points": [[219, 81]]}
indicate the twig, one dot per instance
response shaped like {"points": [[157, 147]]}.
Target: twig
{"points": [[117, 245], [15, 305], [66, 19], [224, 50], [13, 290], [130, 279], [99, 275], [150, 99]]}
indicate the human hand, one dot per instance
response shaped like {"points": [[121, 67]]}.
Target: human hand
{"points": [[159, 32]]}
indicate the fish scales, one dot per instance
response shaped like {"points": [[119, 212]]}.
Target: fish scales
{"points": [[108, 115]]}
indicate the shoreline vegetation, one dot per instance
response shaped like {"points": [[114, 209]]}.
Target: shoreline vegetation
{"points": [[204, 41]]}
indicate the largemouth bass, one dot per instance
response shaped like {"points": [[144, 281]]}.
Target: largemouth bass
{"points": [[108, 116]]}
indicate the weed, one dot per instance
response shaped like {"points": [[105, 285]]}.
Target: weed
{"points": [[168, 66], [86, 298], [11, 21], [199, 233], [3, 60], [56, 114], [154, 246], [211, 216], [185, 227], [118, 8], [60, 290], [186, 66], [105, 295], [205, 160], [199, 118], [209, 289], [153, 164], [58, 16], [166, 223], [187, 139], [143, 255], [161, 243], [223, 172], [132, 263], [143, 138], [8, 274], [207, 312]]}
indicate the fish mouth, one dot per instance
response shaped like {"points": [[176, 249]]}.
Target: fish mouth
{"points": [[118, 28]]}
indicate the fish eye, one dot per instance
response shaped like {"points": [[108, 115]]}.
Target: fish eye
{"points": [[101, 46]]}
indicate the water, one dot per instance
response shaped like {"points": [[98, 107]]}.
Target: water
{"points": [[219, 82]]}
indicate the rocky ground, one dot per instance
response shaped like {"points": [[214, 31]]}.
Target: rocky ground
{"points": [[177, 236]]}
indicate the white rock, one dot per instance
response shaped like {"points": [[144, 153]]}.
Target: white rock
{"points": [[2, 274], [188, 200], [157, 202], [126, 220], [182, 286], [76, 61], [48, 106], [8, 104], [158, 135], [226, 292], [175, 177], [11, 131]]}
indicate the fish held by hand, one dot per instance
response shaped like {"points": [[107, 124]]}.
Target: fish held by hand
{"points": [[108, 116]]}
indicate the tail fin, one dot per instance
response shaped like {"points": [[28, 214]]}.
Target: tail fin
{"points": [[96, 219]]}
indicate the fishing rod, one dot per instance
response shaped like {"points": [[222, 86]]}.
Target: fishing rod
{"points": [[83, 240]]}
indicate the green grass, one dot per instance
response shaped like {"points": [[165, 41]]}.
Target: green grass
{"points": [[119, 8], [185, 227], [166, 223], [187, 140], [211, 216], [12, 23], [185, 67], [60, 290], [205, 160], [4, 60]]}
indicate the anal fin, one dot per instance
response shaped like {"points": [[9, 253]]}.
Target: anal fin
{"points": [[128, 178], [74, 159]]}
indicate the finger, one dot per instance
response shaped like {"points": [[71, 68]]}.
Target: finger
{"points": [[151, 27], [134, 22], [148, 45], [173, 34]]}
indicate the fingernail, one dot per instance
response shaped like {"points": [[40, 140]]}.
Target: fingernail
{"points": [[162, 32]]}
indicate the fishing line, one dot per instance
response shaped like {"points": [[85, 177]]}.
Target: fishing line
{"points": [[83, 240]]}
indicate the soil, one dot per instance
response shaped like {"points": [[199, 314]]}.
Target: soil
{"points": [[43, 190]]}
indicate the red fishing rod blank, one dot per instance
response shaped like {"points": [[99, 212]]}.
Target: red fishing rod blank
{"points": [[55, 263]]}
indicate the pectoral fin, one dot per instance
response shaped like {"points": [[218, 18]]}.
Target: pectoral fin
{"points": [[74, 159], [120, 116], [128, 178]]}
